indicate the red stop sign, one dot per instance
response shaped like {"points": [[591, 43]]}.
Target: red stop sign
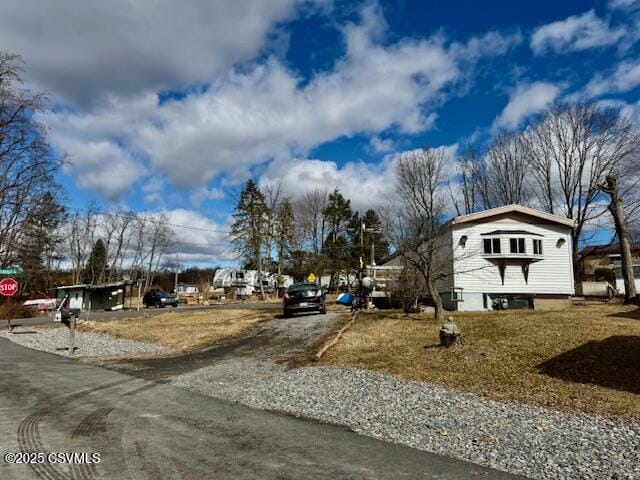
{"points": [[8, 287]]}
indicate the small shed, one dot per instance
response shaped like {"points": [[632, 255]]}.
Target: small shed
{"points": [[87, 297]]}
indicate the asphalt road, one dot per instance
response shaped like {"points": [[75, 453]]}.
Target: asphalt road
{"points": [[143, 430], [105, 315]]}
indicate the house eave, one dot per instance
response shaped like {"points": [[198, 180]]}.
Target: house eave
{"points": [[514, 208]]}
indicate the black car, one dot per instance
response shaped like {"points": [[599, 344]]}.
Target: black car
{"points": [[303, 297], [158, 298]]}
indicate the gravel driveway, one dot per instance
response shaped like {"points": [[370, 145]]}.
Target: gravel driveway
{"points": [[261, 354], [520, 439]]}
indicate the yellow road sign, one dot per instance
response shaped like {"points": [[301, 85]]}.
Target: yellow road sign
{"points": [[311, 278]]}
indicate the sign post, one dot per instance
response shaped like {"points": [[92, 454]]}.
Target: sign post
{"points": [[8, 288]]}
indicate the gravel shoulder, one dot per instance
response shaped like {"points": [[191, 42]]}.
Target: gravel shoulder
{"points": [[56, 340]]}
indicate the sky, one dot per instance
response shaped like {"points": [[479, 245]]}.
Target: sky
{"points": [[171, 106]]}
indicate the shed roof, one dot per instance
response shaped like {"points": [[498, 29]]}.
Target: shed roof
{"points": [[89, 286], [607, 249]]}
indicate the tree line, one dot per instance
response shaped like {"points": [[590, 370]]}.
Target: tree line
{"points": [[317, 233]]}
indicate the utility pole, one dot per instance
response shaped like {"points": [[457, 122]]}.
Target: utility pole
{"points": [[362, 229], [175, 280]]}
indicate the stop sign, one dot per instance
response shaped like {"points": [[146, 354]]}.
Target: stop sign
{"points": [[8, 287]]}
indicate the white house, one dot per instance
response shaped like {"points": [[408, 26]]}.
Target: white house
{"points": [[506, 256]]}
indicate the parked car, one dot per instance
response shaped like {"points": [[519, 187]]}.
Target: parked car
{"points": [[303, 297], [159, 298]]}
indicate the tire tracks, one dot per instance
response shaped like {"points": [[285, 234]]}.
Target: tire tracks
{"points": [[93, 424], [29, 439]]}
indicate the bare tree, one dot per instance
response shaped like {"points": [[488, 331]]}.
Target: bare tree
{"points": [[160, 239], [572, 149], [418, 221], [472, 185], [273, 197], [506, 172], [311, 223], [27, 163], [123, 222], [80, 240]]}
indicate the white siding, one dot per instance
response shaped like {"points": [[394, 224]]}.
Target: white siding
{"points": [[620, 285], [443, 258], [551, 275]]}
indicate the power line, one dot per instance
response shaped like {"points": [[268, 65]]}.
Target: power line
{"points": [[203, 244], [197, 228]]}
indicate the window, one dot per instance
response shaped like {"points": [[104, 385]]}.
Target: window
{"points": [[517, 245], [456, 294], [537, 247], [491, 245]]}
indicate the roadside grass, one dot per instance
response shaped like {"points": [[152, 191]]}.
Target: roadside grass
{"points": [[182, 331], [585, 359]]}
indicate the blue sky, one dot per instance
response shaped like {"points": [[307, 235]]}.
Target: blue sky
{"points": [[171, 107]]}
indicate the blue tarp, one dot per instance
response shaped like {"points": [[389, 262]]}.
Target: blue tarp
{"points": [[345, 299]]}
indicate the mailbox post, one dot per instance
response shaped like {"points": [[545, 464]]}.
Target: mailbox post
{"points": [[64, 316]]}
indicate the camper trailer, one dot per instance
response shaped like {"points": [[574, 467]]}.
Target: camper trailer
{"points": [[247, 282]]}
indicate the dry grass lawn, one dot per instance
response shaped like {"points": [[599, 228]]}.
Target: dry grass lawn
{"points": [[584, 358], [180, 330]]}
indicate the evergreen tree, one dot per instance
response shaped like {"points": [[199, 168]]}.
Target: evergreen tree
{"points": [[97, 263], [337, 252], [39, 243], [248, 230]]}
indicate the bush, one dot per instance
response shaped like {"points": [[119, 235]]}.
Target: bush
{"points": [[10, 309]]}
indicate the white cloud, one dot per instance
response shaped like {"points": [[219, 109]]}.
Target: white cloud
{"points": [[628, 110], [381, 145], [578, 32], [624, 78], [80, 51], [100, 166], [622, 4], [204, 242], [203, 194], [526, 100], [247, 115], [246, 118], [367, 185]]}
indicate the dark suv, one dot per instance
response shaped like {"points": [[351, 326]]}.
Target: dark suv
{"points": [[158, 298], [303, 297]]}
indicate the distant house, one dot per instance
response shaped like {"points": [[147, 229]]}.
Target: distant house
{"points": [[84, 297], [603, 263], [186, 289], [506, 257]]}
